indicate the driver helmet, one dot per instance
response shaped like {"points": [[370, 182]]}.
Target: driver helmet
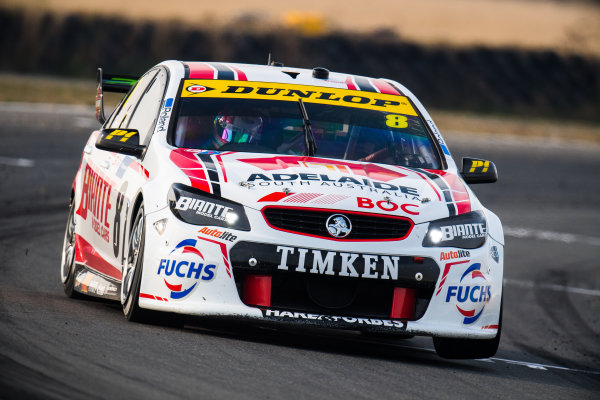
{"points": [[237, 129]]}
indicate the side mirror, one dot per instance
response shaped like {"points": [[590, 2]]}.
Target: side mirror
{"points": [[124, 141], [99, 97], [475, 170]]}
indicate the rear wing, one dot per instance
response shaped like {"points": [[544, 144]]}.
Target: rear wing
{"points": [[111, 83]]}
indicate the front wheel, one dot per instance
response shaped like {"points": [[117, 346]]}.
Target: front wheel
{"points": [[132, 273], [468, 348], [67, 263]]}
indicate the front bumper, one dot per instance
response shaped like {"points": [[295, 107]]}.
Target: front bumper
{"points": [[318, 282]]}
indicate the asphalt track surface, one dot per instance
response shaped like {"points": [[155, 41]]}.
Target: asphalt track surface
{"points": [[548, 197]]}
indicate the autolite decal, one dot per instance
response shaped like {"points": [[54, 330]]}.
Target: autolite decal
{"points": [[453, 254], [184, 268], [95, 200], [224, 235]]}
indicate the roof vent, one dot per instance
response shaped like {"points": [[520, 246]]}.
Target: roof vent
{"points": [[320, 73], [276, 64]]}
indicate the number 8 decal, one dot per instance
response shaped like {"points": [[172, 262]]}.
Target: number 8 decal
{"points": [[396, 121]]}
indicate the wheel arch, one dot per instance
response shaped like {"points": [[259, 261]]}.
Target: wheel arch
{"points": [[139, 199]]}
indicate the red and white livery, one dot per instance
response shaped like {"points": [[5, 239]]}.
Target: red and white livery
{"points": [[284, 196]]}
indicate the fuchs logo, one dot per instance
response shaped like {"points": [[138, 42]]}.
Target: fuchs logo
{"points": [[472, 295], [186, 267], [339, 225]]}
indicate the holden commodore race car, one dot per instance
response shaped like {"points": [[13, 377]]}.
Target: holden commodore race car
{"points": [[286, 196]]}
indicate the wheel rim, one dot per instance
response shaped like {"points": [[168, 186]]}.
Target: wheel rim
{"points": [[132, 259], [68, 253]]}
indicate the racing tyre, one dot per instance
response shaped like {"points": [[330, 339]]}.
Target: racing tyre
{"points": [[67, 263], [132, 275], [468, 348]]}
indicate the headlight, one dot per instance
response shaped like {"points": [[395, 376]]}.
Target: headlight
{"points": [[467, 231], [200, 208]]}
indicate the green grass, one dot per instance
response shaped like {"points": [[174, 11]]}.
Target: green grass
{"points": [[40, 89]]}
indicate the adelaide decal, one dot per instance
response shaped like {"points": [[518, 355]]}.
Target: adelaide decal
{"points": [[308, 179]]}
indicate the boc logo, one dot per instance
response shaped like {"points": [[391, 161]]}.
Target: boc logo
{"points": [[184, 268], [471, 295]]}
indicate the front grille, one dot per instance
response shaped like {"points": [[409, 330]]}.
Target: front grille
{"points": [[336, 296], [313, 222]]}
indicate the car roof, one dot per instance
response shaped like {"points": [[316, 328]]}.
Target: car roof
{"points": [[291, 75]]}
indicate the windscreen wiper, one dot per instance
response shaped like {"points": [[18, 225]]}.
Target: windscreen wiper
{"points": [[309, 138]]}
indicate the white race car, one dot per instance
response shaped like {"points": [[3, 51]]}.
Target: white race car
{"points": [[287, 196]]}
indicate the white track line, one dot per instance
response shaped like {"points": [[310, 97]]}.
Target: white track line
{"points": [[549, 286], [46, 108], [17, 162], [532, 365], [551, 235], [542, 366]]}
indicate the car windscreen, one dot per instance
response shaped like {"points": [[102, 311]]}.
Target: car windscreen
{"points": [[344, 126]]}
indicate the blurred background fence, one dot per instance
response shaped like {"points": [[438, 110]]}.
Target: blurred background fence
{"points": [[491, 80]]}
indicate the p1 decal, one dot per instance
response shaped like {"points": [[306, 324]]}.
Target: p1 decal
{"points": [[186, 267], [471, 295], [479, 166], [120, 135]]}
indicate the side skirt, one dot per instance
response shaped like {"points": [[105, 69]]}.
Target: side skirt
{"points": [[93, 283]]}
